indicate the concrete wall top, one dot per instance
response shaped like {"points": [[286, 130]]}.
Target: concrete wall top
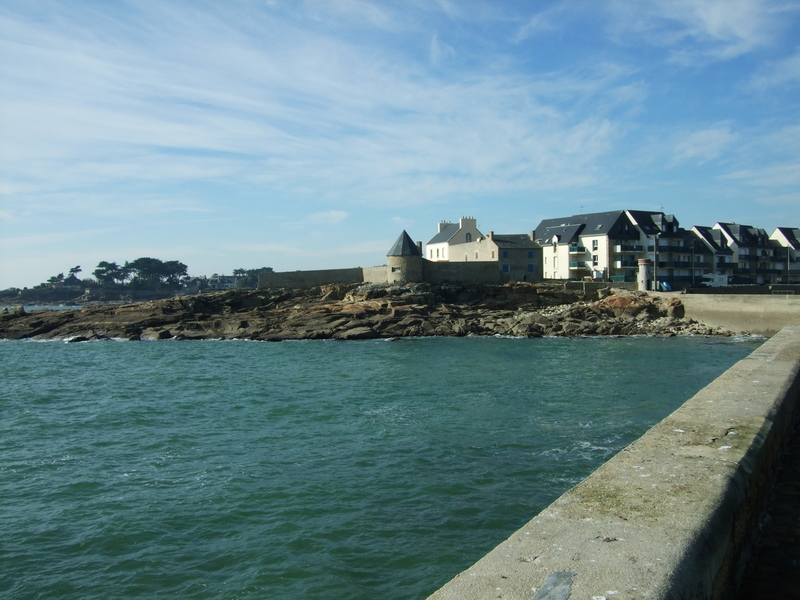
{"points": [[765, 315], [664, 518]]}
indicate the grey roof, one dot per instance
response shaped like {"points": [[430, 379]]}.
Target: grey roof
{"points": [[404, 246], [695, 243], [448, 231], [655, 222], [746, 235], [713, 239], [514, 240], [792, 235], [568, 228], [565, 233]]}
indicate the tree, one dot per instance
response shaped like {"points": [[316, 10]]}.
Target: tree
{"points": [[56, 279], [107, 273], [75, 270], [153, 273], [249, 279]]}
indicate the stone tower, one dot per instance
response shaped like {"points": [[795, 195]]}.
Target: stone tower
{"points": [[404, 261]]}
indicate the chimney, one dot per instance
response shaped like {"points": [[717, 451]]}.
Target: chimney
{"points": [[419, 247]]}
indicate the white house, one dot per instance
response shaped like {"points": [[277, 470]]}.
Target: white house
{"points": [[449, 235]]}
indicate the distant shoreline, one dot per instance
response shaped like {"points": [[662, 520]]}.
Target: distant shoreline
{"points": [[352, 312]]}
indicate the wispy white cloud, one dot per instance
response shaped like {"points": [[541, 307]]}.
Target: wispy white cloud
{"points": [[313, 116], [777, 74], [440, 51], [701, 30], [703, 146], [772, 176], [329, 217]]}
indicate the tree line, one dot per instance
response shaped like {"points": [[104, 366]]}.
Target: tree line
{"points": [[146, 274], [142, 273]]}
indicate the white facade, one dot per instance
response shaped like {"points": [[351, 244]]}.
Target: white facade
{"points": [[440, 247]]}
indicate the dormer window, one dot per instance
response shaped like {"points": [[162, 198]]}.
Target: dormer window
{"points": [[469, 237]]}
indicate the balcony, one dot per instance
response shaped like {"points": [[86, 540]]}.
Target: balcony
{"points": [[676, 264], [663, 249], [578, 266], [577, 249], [628, 248], [626, 264]]}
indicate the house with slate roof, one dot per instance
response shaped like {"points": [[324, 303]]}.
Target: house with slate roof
{"points": [[516, 255], [603, 245], [449, 235], [720, 261], [608, 246], [789, 238], [756, 258]]}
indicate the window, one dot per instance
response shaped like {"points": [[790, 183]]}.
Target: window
{"points": [[530, 253], [594, 244], [594, 260], [506, 269], [437, 253], [505, 253], [476, 255], [469, 237], [492, 253], [530, 268]]}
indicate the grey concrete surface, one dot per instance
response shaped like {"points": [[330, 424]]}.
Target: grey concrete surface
{"points": [[672, 516], [761, 314]]}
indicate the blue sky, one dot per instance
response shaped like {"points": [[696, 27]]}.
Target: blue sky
{"points": [[309, 134]]}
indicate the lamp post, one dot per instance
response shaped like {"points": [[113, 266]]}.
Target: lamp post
{"points": [[655, 262]]}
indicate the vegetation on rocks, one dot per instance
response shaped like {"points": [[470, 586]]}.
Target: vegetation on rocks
{"points": [[364, 312]]}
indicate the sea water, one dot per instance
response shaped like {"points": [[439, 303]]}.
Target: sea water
{"points": [[335, 470]]}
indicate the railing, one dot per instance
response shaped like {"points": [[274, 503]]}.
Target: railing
{"points": [[679, 264], [628, 248], [626, 264], [577, 249], [579, 265], [671, 248]]}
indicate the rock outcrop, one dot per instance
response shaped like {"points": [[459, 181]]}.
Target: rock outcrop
{"points": [[353, 312]]}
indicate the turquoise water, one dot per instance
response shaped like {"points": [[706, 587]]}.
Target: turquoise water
{"points": [[336, 470]]}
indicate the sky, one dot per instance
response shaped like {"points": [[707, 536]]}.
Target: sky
{"points": [[309, 134]]}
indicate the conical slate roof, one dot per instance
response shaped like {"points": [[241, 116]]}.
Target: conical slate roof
{"points": [[404, 246]]}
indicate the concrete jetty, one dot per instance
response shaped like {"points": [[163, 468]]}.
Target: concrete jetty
{"points": [[672, 516]]}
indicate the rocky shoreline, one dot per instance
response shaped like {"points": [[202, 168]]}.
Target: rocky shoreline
{"points": [[351, 312]]}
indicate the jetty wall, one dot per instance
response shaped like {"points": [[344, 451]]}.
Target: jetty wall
{"points": [[761, 314], [673, 515]]}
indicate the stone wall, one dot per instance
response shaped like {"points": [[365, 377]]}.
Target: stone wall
{"points": [[309, 279], [374, 274], [478, 273], [744, 313], [673, 515]]}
